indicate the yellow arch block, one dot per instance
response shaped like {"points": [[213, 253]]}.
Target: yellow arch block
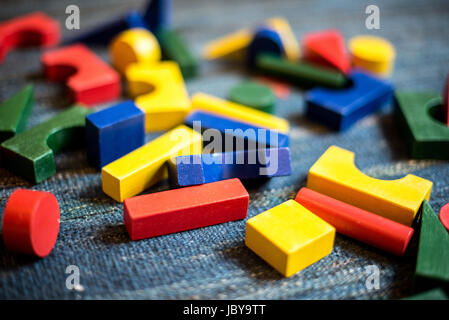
{"points": [[289, 237], [336, 175], [205, 102], [136, 45], [372, 53], [144, 167], [159, 90]]}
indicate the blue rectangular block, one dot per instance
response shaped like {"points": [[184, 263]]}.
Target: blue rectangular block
{"points": [[339, 109], [251, 137], [246, 164], [113, 132]]}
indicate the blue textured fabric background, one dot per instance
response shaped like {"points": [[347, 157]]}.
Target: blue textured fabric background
{"points": [[213, 262]]}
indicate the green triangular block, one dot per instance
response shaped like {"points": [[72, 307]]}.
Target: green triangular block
{"points": [[14, 113], [432, 265]]}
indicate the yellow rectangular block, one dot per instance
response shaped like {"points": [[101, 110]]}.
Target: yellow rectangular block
{"points": [[288, 38], [335, 175], [289, 237], [159, 90], [229, 45], [142, 168], [205, 102]]}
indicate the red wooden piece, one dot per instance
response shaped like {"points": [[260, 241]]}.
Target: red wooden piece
{"points": [[185, 208], [31, 222], [34, 29], [444, 216], [356, 223], [327, 48], [89, 79], [446, 101]]}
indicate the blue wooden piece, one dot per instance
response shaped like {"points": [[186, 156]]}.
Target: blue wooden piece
{"points": [[245, 164], [339, 109], [105, 32], [265, 40], [229, 128], [113, 132], [158, 15]]}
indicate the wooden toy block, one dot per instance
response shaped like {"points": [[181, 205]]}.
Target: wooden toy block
{"points": [[356, 223], [160, 92], [289, 237], [419, 119], [445, 96], [254, 95], [335, 175], [145, 166], [241, 134], [175, 48], [31, 222], [328, 48], [230, 45], [158, 15], [211, 104], [113, 132], [34, 29], [90, 80], [444, 216], [340, 109], [104, 33], [30, 154], [288, 39], [433, 294], [15, 111], [300, 73], [137, 45], [243, 164], [432, 264], [266, 40], [184, 209], [373, 54]]}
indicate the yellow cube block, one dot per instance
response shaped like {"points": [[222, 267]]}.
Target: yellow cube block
{"points": [[144, 167], [289, 237]]}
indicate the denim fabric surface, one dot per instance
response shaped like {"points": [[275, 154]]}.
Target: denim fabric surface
{"points": [[213, 262]]}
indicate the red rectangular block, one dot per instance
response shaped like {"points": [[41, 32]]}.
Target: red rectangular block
{"points": [[356, 223], [183, 209]]}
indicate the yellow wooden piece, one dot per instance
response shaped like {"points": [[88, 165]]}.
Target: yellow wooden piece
{"points": [[136, 45], [291, 46], [228, 45], [336, 175], [142, 168], [289, 237], [208, 103], [160, 92], [372, 53]]}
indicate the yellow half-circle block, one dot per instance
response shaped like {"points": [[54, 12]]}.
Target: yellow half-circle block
{"points": [[136, 45], [289, 237], [335, 175], [159, 90], [372, 53], [208, 103], [145, 166]]}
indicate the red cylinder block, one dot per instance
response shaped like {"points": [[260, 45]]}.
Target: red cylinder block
{"points": [[356, 223], [444, 216], [31, 222]]}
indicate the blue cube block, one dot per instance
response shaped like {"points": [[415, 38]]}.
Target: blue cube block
{"points": [[339, 109], [113, 132]]}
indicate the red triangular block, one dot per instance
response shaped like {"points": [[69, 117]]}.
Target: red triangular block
{"points": [[328, 48]]}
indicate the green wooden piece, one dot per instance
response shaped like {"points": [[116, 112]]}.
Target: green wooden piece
{"points": [[300, 73], [174, 48], [434, 294], [432, 264], [253, 94], [30, 154], [419, 116], [14, 113]]}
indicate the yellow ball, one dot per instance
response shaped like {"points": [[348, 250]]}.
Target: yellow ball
{"points": [[134, 46]]}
